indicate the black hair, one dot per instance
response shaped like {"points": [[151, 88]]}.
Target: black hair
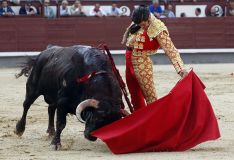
{"points": [[140, 14], [198, 10], [134, 28], [182, 14]]}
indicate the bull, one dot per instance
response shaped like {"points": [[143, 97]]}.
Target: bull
{"points": [[78, 80]]}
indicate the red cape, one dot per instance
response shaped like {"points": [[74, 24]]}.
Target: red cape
{"points": [[177, 122]]}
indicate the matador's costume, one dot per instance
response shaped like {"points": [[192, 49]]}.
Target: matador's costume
{"points": [[139, 67]]}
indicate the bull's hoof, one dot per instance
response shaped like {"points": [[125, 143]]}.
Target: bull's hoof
{"points": [[55, 144], [20, 127], [56, 147], [51, 132], [18, 133]]}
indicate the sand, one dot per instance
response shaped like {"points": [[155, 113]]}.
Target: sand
{"points": [[34, 144]]}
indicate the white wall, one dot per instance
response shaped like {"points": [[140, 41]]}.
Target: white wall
{"points": [[85, 8], [189, 10], [106, 9]]}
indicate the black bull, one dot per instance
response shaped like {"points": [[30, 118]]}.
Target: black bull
{"points": [[54, 75]]}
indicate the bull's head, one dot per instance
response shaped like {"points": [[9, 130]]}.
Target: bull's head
{"points": [[96, 114]]}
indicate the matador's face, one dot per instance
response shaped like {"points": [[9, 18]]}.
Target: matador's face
{"points": [[144, 24]]}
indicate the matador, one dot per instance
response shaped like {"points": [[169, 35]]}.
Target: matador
{"points": [[143, 38]]}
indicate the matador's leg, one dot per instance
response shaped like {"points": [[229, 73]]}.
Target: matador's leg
{"points": [[143, 68], [137, 97]]}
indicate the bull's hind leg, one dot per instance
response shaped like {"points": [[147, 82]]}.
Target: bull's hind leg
{"points": [[51, 113], [20, 126], [31, 96]]}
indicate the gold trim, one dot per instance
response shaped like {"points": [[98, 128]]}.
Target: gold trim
{"points": [[138, 38], [140, 45], [156, 26], [131, 40], [136, 45]]}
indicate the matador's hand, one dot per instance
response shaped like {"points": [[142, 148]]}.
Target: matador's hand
{"points": [[183, 73]]}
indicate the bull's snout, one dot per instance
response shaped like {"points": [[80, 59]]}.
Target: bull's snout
{"points": [[89, 136]]}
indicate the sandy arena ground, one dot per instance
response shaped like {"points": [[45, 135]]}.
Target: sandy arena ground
{"points": [[34, 144]]}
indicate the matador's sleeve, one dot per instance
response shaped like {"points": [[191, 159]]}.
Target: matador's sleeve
{"points": [[167, 45], [158, 30]]}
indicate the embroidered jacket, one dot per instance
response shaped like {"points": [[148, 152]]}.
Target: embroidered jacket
{"points": [[147, 42]]}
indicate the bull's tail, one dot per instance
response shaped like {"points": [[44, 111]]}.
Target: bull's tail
{"points": [[26, 68]]}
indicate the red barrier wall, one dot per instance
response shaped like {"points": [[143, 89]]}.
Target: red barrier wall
{"points": [[35, 33]]}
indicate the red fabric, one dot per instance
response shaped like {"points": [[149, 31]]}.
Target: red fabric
{"points": [[137, 97], [148, 44], [87, 77], [177, 122]]}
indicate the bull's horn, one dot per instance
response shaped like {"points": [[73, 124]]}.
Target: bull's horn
{"points": [[86, 103]]}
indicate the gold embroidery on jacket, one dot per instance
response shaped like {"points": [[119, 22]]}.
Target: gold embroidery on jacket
{"points": [[140, 45], [135, 39], [138, 38], [131, 40], [142, 39], [156, 26], [136, 45]]}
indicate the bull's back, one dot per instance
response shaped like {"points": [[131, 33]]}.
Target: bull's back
{"points": [[54, 63]]}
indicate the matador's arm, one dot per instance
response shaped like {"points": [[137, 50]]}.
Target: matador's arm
{"points": [[158, 30], [167, 45]]}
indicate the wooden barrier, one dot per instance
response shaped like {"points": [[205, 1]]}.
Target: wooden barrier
{"points": [[35, 33]]}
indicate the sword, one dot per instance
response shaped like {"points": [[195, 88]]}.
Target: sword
{"points": [[119, 78]]}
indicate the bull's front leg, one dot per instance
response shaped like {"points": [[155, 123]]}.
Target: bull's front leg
{"points": [[60, 123]]}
